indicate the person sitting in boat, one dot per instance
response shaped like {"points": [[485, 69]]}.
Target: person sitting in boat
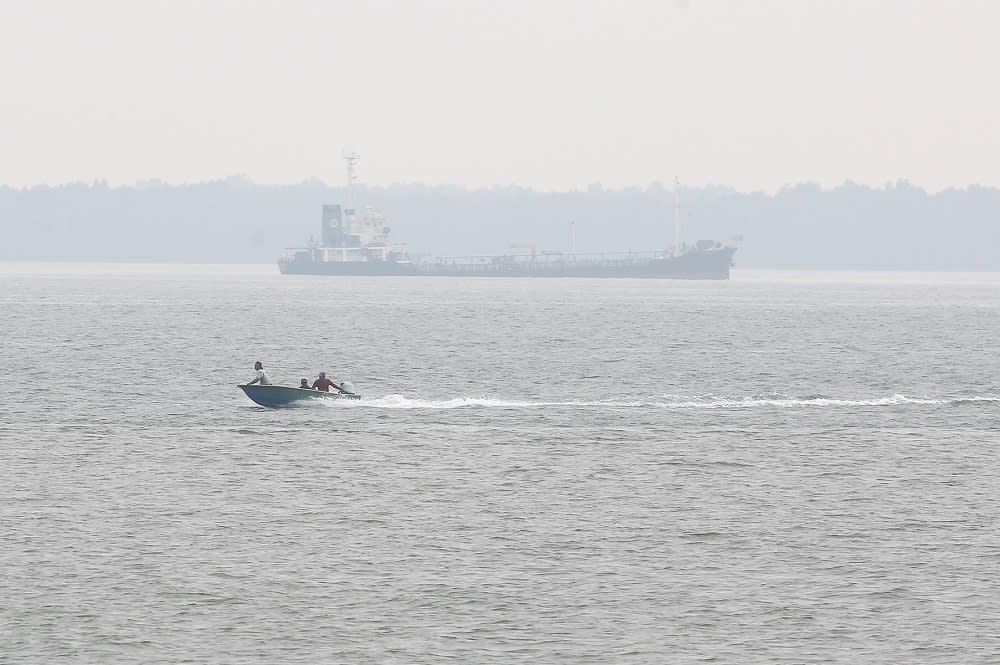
{"points": [[304, 384], [262, 377], [324, 384]]}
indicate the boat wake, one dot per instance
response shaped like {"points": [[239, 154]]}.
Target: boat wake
{"points": [[402, 402], [678, 402], [780, 400]]}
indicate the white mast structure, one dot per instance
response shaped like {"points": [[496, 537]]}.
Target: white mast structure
{"points": [[347, 214], [677, 217], [351, 160]]}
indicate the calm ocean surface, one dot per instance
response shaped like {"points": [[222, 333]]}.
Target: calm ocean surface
{"points": [[783, 468]]}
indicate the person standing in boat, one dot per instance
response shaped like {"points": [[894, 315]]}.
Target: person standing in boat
{"points": [[262, 377], [324, 384]]}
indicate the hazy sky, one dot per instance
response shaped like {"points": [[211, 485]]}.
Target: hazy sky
{"points": [[545, 93]]}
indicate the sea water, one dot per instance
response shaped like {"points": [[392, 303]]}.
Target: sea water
{"points": [[784, 467]]}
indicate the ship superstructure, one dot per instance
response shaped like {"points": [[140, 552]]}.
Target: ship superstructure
{"points": [[353, 241]]}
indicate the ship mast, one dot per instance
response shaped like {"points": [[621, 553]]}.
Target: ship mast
{"points": [[351, 160], [677, 217]]}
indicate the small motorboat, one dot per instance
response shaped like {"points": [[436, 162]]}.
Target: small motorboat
{"points": [[276, 396]]}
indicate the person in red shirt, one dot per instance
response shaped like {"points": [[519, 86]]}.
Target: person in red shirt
{"points": [[324, 384]]}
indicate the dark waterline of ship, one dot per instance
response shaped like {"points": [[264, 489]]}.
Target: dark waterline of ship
{"points": [[708, 263]]}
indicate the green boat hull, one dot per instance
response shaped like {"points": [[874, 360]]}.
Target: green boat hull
{"points": [[279, 396]]}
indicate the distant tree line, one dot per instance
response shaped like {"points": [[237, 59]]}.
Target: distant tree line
{"points": [[899, 226]]}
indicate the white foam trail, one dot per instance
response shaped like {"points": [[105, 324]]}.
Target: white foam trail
{"points": [[787, 401], [679, 402], [402, 402]]}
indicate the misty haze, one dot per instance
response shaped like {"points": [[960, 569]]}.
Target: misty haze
{"points": [[894, 227], [464, 331]]}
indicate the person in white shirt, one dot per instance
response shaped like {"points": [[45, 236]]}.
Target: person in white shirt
{"points": [[262, 378]]}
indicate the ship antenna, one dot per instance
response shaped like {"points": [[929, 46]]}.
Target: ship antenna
{"points": [[677, 217]]}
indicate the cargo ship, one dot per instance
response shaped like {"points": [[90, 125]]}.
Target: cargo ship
{"points": [[355, 242]]}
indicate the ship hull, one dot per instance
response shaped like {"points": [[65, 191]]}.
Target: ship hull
{"points": [[308, 266], [707, 265]]}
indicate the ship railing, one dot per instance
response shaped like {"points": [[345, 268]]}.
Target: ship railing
{"points": [[500, 262], [289, 253]]}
